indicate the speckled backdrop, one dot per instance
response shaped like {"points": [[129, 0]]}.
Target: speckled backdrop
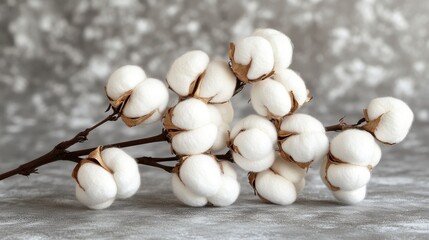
{"points": [[56, 55]]}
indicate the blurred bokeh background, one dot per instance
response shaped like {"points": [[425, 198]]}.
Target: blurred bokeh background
{"points": [[55, 57]]}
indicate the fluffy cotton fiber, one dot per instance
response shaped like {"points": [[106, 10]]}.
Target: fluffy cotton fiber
{"points": [[270, 99], [395, 116], [201, 173], [275, 188], [148, 97], [226, 195], [97, 188], [294, 84], [253, 141], [124, 79], [185, 71], [308, 143], [346, 171], [221, 123], [124, 169], [257, 52], [196, 141], [191, 114], [217, 84], [281, 45]]}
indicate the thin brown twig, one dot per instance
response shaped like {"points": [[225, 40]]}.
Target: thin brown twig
{"points": [[342, 125]]}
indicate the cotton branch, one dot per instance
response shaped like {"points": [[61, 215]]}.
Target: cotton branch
{"points": [[341, 126]]}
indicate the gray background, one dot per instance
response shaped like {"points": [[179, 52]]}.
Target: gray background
{"points": [[55, 57]]}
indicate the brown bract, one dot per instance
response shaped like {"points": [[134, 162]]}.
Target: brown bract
{"points": [[120, 102], [241, 71], [131, 122], [94, 158]]}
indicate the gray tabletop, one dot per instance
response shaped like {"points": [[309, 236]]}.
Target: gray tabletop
{"points": [[56, 55]]}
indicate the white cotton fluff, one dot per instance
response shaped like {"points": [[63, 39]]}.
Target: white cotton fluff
{"points": [[309, 143], [281, 45], [217, 83], [254, 165], [275, 188], [185, 70], [348, 177], [99, 187], [201, 174], [228, 170], [185, 195], [396, 119], [288, 170], [356, 147], [191, 114], [227, 193], [194, 141], [222, 128], [124, 79], [255, 51], [258, 122], [148, 96], [292, 82], [270, 99], [253, 144], [125, 171], [226, 111], [351, 197]]}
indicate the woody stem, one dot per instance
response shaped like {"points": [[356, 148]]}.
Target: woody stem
{"points": [[341, 126]]}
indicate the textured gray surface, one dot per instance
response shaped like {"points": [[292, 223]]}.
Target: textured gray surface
{"points": [[56, 55]]}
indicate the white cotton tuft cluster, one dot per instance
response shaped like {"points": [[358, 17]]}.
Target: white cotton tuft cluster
{"points": [[280, 95], [221, 115], [347, 168], [145, 98], [190, 128], [193, 75], [124, 79], [389, 119], [302, 139], [257, 57], [280, 184], [281, 45], [252, 142], [97, 187], [201, 179]]}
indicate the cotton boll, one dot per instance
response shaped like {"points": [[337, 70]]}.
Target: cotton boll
{"points": [[348, 177], [97, 188], [201, 174], [191, 114], [253, 144], [281, 45], [376, 157], [124, 79], [270, 99], [218, 83], [292, 82], [125, 171], [195, 141], [275, 188], [185, 71], [215, 116], [306, 147], [254, 165], [228, 170], [148, 97], [351, 197], [185, 195], [301, 123], [258, 122], [226, 111], [288, 170], [395, 120], [227, 194], [253, 51], [354, 146]]}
